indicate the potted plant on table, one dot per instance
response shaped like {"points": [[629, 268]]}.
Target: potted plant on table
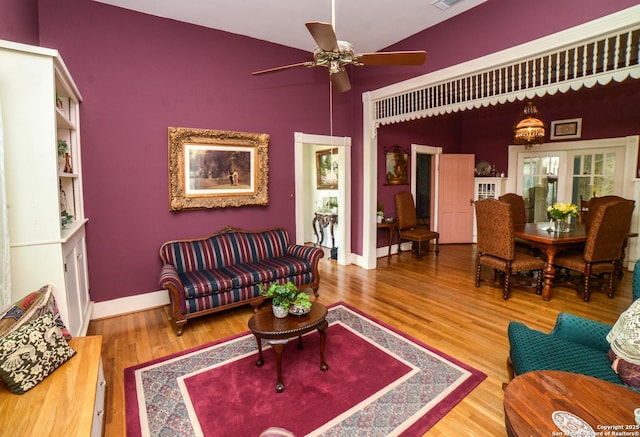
{"points": [[286, 298]]}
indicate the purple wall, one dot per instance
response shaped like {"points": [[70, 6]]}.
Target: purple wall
{"points": [[140, 74], [19, 21]]}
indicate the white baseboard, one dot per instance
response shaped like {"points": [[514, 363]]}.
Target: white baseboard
{"points": [[131, 304]]}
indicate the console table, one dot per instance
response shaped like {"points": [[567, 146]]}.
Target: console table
{"points": [[322, 220]]}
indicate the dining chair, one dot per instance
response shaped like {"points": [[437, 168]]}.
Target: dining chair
{"points": [[603, 249], [517, 207], [596, 202], [519, 213], [496, 247], [408, 229], [592, 207]]}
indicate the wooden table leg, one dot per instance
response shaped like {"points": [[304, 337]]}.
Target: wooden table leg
{"points": [[260, 361], [322, 330], [278, 345], [549, 273], [315, 231]]}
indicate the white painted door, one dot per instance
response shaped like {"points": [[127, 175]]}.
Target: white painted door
{"points": [[455, 198]]}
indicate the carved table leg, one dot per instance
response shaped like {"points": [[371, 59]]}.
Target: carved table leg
{"points": [[278, 345], [260, 361], [322, 330], [315, 231], [549, 273]]}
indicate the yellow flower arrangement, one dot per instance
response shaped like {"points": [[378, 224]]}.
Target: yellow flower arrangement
{"points": [[562, 210]]}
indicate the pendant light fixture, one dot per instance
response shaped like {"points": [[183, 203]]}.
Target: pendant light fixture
{"points": [[530, 128]]}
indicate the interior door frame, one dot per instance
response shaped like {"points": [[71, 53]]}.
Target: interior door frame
{"points": [[343, 144], [418, 149]]}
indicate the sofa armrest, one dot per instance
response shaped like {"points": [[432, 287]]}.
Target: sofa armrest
{"points": [[170, 280], [581, 330], [308, 253]]}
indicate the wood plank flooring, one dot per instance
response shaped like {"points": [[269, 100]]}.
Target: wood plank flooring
{"points": [[433, 300]]}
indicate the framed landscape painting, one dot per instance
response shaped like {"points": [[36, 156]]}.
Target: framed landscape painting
{"points": [[217, 169], [327, 169]]}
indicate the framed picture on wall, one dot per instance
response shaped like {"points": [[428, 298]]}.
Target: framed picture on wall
{"points": [[217, 169], [566, 129], [396, 164], [327, 169]]}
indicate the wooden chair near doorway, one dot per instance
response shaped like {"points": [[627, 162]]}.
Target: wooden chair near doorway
{"points": [[408, 229]]}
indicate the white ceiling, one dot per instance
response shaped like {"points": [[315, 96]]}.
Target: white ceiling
{"points": [[369, 25]]}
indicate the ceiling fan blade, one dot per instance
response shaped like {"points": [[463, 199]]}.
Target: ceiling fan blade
{"points": [[324, 35], [340, 81], [285, 67], [392, 58]]}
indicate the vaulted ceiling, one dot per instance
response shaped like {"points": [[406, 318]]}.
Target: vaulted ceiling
{"points": [[369, 25]]}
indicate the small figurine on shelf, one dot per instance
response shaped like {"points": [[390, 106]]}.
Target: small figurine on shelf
{"points": [[67, 164]]}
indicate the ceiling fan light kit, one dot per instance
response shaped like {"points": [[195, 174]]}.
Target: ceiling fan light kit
{"points": [[336, 55]]}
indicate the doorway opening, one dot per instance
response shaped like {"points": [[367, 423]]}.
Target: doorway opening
{"points": [[424, 182], [309, 199]]}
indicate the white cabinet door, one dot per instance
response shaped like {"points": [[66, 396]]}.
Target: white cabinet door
{"points": [[75, 265]]}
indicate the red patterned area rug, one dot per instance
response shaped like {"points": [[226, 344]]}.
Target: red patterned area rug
{"points": [[380, 382]]}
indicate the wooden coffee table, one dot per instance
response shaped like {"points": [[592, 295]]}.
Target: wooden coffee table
{"points": [[264, 324], [544, 402]]}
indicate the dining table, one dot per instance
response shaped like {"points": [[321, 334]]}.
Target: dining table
{"points": [[550, 242]]}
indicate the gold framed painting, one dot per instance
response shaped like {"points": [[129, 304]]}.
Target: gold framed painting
{"points": [[217, 169], [396, 163], [327, 169]]}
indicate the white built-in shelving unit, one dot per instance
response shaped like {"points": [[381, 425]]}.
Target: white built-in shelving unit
{"points": [[40, 107]]}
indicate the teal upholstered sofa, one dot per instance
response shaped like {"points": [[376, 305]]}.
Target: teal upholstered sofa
{"points": [[575, 344], [226, 269]]}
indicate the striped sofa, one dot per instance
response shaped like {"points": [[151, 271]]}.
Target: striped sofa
{"points": [[225, 270]]}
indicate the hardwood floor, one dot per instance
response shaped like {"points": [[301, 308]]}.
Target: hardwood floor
{"points": [[433, 300]]}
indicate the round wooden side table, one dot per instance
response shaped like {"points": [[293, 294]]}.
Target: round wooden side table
{"points": [[277, 332]]}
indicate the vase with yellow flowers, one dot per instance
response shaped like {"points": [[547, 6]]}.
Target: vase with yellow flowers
{"points": [[560, 214]]}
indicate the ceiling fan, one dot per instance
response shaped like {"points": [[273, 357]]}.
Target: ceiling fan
{"points": [[336, 55]]}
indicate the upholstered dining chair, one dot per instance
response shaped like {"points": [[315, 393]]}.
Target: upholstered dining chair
{"points": [[517, 207], [408, 229], [519, 215], [592, 207], [496, 246], [603, 249]]}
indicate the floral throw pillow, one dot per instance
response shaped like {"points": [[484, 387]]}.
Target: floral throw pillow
{"points": [[31, 353], [30, 307]]}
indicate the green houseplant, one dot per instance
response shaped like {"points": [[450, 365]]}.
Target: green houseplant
{"points": [[63, 147], [284, 296]]}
